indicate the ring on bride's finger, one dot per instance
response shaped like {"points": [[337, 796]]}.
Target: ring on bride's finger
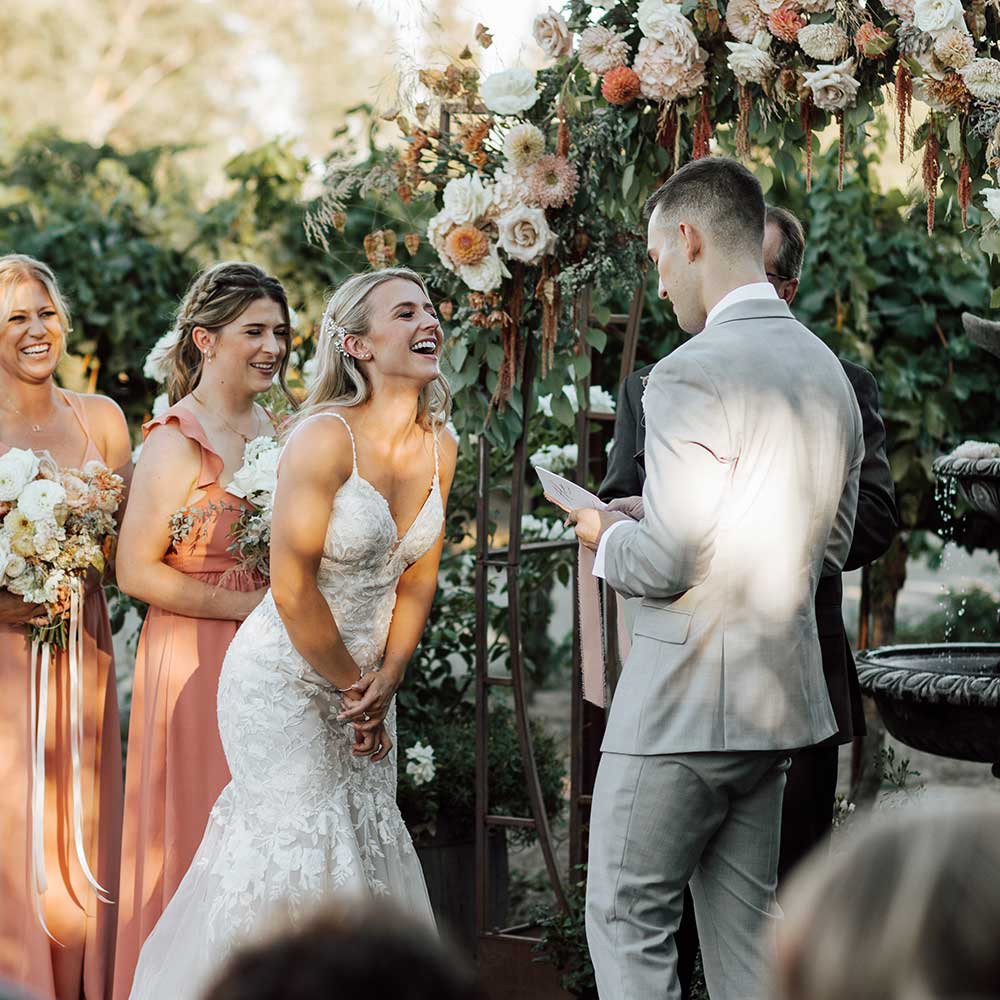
{"points": [[366, 717]]}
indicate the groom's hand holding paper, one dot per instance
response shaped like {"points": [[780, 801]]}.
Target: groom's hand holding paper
{"points": [[589, 513]]}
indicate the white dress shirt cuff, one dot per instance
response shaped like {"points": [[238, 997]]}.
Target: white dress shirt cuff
{"points": [[602, 546]]}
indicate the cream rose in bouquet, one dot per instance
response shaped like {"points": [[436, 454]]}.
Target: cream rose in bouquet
{"points": [[255, 481], [57, 524]]}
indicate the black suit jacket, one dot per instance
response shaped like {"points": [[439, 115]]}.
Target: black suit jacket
{"points": [[874, 526]]}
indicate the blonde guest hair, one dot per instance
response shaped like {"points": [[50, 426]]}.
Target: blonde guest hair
{"points": [[15, 269], [217, 296], [340, 380], [908, 910]]}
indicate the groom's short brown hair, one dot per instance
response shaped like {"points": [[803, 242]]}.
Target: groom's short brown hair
{"points": [[723, 194]]}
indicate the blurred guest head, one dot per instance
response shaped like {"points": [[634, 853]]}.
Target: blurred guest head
{"points": [[784, 247], [34, 318], [706, 230], [908, 910], [349, 951]]}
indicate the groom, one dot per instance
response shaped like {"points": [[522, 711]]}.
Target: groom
{"points": [[753, 446]]}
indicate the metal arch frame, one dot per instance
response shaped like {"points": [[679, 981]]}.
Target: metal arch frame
{"points": [[587, 721]]}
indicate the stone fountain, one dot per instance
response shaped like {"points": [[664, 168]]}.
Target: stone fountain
{"points": [[945, 698]]}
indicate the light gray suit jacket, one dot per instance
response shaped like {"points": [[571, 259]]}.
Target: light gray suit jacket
{"points": [[753, 447]]}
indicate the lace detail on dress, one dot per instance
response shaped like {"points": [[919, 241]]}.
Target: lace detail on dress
{"points": [[302, 817]]}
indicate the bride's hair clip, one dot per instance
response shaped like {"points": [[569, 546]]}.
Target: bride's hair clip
{"points": [[335, 332]]}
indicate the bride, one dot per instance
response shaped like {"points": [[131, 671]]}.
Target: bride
{"points": [[305, 702]]}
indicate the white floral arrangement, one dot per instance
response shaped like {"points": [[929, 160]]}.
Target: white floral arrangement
{"points": [[56, 525], [556, 457], [420, 764], [255, 481], [541, 529]]}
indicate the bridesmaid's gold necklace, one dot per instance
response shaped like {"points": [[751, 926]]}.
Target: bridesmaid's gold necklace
{"points": [[215, 413], [37, 428]]}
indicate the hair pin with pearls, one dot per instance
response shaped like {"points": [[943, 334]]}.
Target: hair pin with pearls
{"points": [[335, 332]]}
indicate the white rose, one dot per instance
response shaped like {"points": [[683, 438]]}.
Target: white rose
{"points": [[552, 34], [16, 566], [420, 764], [465, 198], [666, 23], [157, 365], [259, 472], [525, 234], [486, 275], [24, 585], [510, 92], [17, 468], [936, 15], [750, 61], [39, 499], [834, 87], [991, 201], [6, 555]]}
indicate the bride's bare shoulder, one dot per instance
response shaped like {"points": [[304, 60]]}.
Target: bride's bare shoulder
{"points": [[321, 442]]}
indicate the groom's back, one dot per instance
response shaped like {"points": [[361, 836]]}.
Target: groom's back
{"points": [[747, 673]]}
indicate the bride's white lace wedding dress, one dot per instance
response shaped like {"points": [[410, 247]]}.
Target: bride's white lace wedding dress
{"points": [[302, 818]]}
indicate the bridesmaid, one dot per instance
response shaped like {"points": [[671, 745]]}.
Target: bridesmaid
{"points": [[35, 414], [232, 343]]}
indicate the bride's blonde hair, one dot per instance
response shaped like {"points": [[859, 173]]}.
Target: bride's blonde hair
{"points": [[339, 379]]}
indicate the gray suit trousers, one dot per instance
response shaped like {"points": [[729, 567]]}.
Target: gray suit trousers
{"points": [[660, 822]]}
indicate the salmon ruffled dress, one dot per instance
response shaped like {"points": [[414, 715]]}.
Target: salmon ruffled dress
{"points": [[175, 764], [80, 965]]}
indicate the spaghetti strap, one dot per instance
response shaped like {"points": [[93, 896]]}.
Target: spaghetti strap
{"points": [[350, 433], [437, 454], [80, 412]]}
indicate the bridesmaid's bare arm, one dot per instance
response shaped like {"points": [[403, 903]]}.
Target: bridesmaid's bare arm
{"points": [[164, 479], [315, 464], [414, 595]]}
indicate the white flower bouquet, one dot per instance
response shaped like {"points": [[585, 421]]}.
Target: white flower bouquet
{"points": [[56, 525], [255, 481]]}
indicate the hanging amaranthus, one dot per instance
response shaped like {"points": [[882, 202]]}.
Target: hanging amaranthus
{"points": [[964, 191], [931, 169], [547, 292], [743, 124], [510, 335], [702, 135], [805, 119], [904, 101], [666, 127], [562, 135], [840, 151]]}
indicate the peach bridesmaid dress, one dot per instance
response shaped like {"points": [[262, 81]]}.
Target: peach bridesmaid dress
{"points": [[175, 764], [80, 965]]}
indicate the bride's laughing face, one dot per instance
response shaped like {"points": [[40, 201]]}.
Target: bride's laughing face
{"points": [[404, 337]]}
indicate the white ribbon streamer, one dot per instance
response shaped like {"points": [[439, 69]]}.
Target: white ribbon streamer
{"points": [[41, 653]]}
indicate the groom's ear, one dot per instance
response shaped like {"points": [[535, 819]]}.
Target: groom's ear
{"points": [[691, 240]]}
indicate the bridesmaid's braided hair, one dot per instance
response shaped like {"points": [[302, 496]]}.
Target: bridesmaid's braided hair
{"points": [[217, 296]]}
